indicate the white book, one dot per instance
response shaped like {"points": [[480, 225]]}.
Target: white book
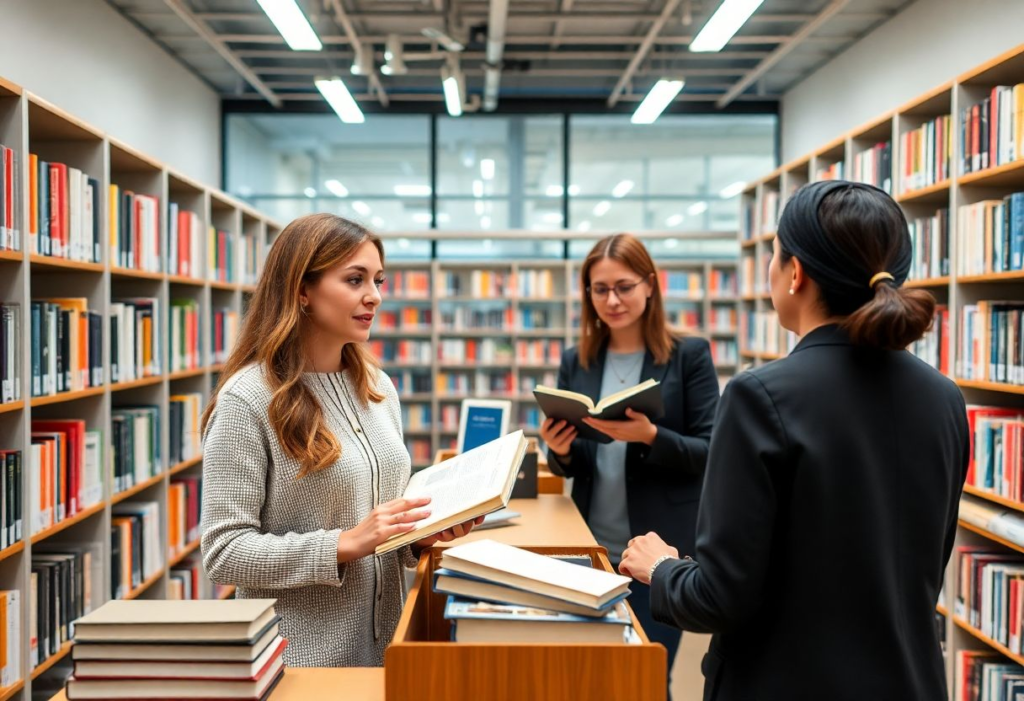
{"points": [[75, 211], [92, 492], [33, 622], [515, 567], [88, 235]]}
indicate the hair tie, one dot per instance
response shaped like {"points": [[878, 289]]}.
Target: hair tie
{"points": [[879, 277]]}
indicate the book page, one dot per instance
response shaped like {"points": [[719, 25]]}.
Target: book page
{"points": [[612, 398], [575, 396], [466, 480]]}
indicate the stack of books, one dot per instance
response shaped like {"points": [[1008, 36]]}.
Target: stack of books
{"points": [[498, 593], [178, 650]]}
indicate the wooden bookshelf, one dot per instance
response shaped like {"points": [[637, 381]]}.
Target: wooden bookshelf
{"points": [[942, 609], [46, 664], [31, 125], [189, 549], [990, 536], [994, 498], [954, 291], [146, 584], [968, 628], [9, 692]]}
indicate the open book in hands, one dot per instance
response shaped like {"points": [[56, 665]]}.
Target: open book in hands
{"points": [[573, 407], [469, 485]]}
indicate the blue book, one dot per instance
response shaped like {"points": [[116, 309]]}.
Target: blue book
{"points": [[485, 622]]}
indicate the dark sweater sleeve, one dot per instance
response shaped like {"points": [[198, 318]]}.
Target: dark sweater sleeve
{"points": [[687, 452], [724, 584]]}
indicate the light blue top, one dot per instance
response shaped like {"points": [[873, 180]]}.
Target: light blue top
{"points": [[609, 515]]}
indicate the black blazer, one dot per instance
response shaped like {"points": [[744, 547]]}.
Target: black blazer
{"points": [[827, 519], [663, 480]]}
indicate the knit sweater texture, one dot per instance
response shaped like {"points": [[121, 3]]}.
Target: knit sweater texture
{"points": [[274, 535]]}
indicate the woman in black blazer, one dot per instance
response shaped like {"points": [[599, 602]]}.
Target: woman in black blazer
{"points": [[830, 503], [650, 477]]}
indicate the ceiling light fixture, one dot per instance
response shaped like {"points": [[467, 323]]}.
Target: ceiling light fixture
{"points": [[292, 24], [659, 98], [723, 25], [340, 100]]}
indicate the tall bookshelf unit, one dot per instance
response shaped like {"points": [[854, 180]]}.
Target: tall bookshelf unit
{"points": [[919, 198], [29, 124], [513, 315]]}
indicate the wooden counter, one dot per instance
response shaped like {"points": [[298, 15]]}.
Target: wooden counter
{"points": [[548, 520]]}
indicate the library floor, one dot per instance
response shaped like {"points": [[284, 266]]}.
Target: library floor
{"points": [[687, 681]]}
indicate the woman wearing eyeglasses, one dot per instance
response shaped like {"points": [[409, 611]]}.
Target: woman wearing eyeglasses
{"points": [[650, 477]]}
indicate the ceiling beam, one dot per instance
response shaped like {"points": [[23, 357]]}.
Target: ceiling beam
{"points": [[819, 20], [478, 11], [641, 52], [342, 18], [427, 97], [565, 8], [210, 37]]}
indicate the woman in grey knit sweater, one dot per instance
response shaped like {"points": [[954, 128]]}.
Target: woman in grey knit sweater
{"points": [[303, 460]]}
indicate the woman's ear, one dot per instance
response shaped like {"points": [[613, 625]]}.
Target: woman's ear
{"points": [[798, 276], [652, 280]]}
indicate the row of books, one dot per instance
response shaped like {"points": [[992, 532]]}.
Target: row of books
{"points": [[10, 637], [185, 241], [537, 283], [874, 166], [184, 335], [546, 352], [136, 548], [486, 350], [997, 451], [220, 256], [184, 417], [934, 347], [66, 473], [992, 232], [184, 500], [992, 131], [990, 592], [725, 352], [930, 240], [984, 675], [685, 319], [135, 241], [481, 383], [406, 319], [404, 351], [11, 502], [760, 332], [681, 284], [991, 342], [411, 284], [722, 283], [10, 353], [722, 319], [248, 258], [64, 212], [480, 284], [925, 153], [193, 650], [468, 319], [770, 211], [539, 318], [419, 450], [530, 418], [528, 380], [67, 346], [417, 417], [60, 592], [135, 339], [748, 275], [831, 172], [10, 193], [135, 443], [225, 332], [410, 382], [185, 582]]}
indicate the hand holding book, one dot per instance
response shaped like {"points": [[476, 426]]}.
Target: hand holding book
{"points": [[635, 428], [391, 518]]}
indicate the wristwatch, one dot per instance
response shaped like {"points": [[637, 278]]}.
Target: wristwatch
{"points": [[650, 575]]}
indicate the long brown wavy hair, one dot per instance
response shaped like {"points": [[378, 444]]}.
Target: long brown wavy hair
{"points": [[632, 253], [274, 331]]}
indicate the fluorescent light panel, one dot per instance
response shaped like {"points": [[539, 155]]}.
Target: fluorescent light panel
{"points": [[622, 188], [452, 96], [697, 208], [336, 188], [412, 190], [674, 220], [361, 208], [723, 25], [660, 97], [292, 24], [487, 168], [601, 208], [340, 100], [730, 191]]}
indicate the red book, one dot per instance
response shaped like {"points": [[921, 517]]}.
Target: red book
{"points": [[74, 429]]}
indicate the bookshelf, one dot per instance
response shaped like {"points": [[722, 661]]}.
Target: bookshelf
{"points": [[495, 328], [31, 125], [941, 181]]}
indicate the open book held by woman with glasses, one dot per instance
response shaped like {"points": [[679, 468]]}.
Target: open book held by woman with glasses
{"points": [[649, 476]]}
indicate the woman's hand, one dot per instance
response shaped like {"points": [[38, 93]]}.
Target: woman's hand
{"points": [[641, 554], [448, 535], [558, 436], [636, 429], [388, 519]]}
